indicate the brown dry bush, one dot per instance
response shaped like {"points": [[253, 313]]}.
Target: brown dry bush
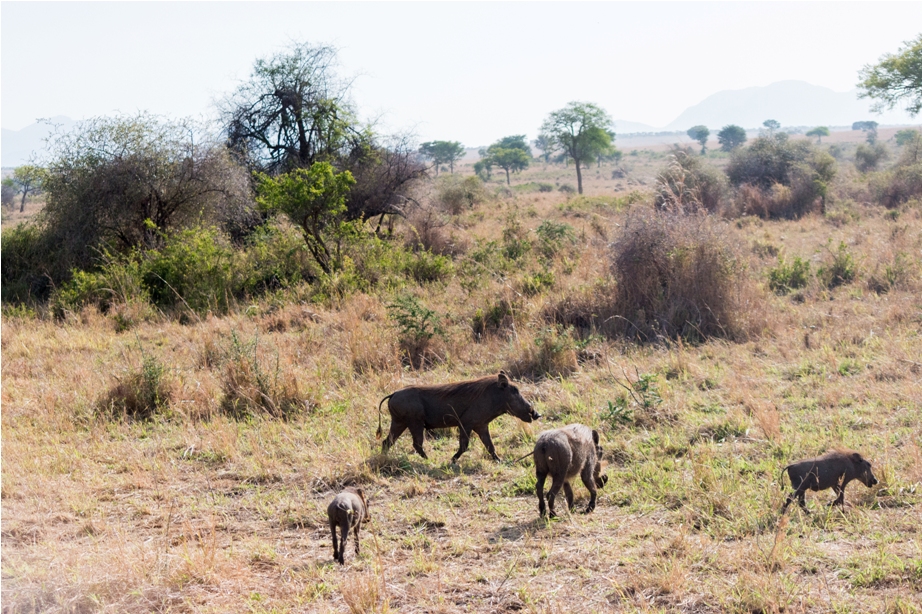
{"points": [[677, 276], [427, 233], [688, 184], [141, 394]]}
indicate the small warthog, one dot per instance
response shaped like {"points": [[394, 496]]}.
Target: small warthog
{"points": [[348, 509], [468, 405], [565, 453], [834, 470]]}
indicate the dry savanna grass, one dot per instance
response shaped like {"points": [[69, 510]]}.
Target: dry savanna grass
{"points": [[186, 467]]}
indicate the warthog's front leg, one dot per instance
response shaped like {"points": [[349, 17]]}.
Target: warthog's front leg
{"points": [[484, 433]]}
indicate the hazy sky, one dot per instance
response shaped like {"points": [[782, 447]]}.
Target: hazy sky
{"points": [[471, 72]]}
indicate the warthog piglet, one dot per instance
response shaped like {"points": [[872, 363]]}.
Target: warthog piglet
{"points": [[348, 509]]}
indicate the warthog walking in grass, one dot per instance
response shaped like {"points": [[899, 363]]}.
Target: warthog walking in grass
{"points": [[565, 453], [834, 470], [348, 509], [470, 406]]}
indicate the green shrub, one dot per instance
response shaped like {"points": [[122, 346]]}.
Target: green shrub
{"points": [[553, 236], [786, 277], [499, 316], [566, 188], [868, 156], [426, 267], [545, 187], [29, 266], [840, 269], [417, 326], [120, 281], [515, 241], [535, 283]]}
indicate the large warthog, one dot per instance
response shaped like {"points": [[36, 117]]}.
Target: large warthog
{"points": [[834, 470], [349, 509], [563, 454], [470, 406]]}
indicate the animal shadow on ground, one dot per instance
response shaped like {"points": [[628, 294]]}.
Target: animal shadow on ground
{"points": [[391, 465], [515, 532]]}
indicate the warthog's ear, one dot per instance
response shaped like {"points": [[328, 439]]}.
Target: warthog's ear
{"points": [[502, 379], [856, 458], [595, 437]]}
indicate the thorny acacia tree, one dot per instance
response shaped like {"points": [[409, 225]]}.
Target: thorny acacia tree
{"points": [[27, 179], [510, 153], [442, 152], [580, 130], [294, 111], [896, 77], [731, 136]]}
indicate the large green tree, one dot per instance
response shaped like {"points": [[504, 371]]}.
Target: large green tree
{"points": [[580, 130], [896, 77], [731, 136], [511, 153], [700, 134], [442, 152]]}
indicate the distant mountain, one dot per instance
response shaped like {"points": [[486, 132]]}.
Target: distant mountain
{"points": [[18, 146], [622, 126], [793, 103]]}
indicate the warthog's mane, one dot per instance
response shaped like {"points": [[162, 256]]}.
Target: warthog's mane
{"points": [[469, 389]]}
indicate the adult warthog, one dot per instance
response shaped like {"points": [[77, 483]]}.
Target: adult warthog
{"points": [[470, 406]]}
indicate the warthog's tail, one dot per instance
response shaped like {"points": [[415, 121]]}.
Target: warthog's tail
{"points": [[781, 478], [380, 432]]}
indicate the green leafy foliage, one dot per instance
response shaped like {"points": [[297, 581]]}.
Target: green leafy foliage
{"points": [[840, 269], [314, 199], [786, 277], [441, 153], [895, 78]]}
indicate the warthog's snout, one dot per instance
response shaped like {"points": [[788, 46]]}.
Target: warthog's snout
{"points": [[533, 414]]}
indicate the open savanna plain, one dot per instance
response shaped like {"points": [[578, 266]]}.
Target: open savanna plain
{"points": [[200, 508]]}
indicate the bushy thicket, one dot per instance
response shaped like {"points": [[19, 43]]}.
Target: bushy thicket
{"points": [[903, 182], [195, 269], [689, 184], [776, 177]]}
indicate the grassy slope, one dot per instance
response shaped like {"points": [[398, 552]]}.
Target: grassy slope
{"points": [[198, 512]]}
